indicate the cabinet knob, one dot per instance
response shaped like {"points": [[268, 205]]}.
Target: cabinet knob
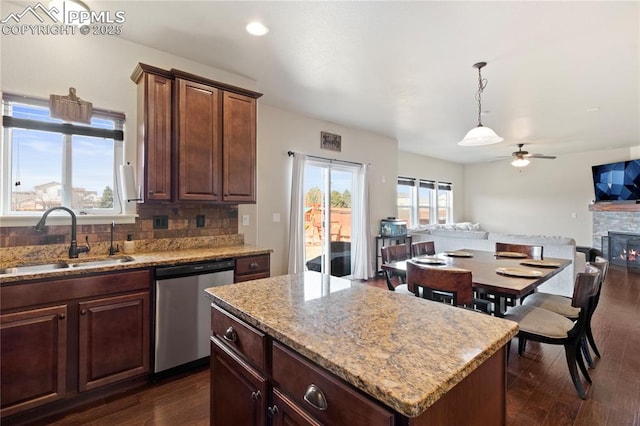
{"points": [[272, 411], [83, 312], [254, 265], [256, 395], [230, 335], [62, 316], [315, 397], [151, 192]]}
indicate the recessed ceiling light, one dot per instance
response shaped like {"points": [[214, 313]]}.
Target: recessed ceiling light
{"points": [[594, 109], [257, 29]]}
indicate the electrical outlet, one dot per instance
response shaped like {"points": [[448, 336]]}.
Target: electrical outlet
{"points": [[200, 221], [276, 217], [53, 239], [245, 220], [161, 222]]}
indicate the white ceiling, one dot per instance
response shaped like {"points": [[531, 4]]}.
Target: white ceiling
{"points": [[404, 69]]}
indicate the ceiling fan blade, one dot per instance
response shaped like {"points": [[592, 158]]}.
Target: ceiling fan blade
{"points": [[546, 157]]}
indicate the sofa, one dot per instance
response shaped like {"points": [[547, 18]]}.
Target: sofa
{"points": [[466, 235]]}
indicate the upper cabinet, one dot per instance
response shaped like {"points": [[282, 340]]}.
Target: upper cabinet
{"points": [[196, 138]]}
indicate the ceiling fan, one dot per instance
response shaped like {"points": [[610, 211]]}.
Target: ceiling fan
{"points": [[521, 157]]}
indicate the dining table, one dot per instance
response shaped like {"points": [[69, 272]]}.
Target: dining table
{"points": [[503, 276]]}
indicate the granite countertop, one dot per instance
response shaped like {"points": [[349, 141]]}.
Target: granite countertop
{"points": [[403, 351], [141, 260]]}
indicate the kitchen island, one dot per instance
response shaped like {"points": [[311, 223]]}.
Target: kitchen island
{"points": [[416, 361]]}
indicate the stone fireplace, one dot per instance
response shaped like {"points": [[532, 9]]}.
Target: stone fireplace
{"points": [[616, 232]]}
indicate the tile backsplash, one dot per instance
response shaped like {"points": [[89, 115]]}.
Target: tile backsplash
{"points": [[219, 221]]}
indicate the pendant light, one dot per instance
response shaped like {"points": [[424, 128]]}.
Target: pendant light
{"points": [[480, 135]]}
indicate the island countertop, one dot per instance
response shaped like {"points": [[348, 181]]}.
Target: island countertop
{"points": [[405, 352]]}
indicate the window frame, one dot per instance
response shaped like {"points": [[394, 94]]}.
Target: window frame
{"points": [[118, 212], [435, 188]]}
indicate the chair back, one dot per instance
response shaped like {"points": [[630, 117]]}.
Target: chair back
{"points": [[441, 284], [534, 252], [602, 265], [585, 289], [394, 253], [423, 248]]}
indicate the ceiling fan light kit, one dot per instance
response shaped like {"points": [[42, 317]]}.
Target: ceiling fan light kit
{"points": [[480, 135], [520, 162]]}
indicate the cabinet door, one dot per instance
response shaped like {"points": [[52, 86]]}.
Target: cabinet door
{"points": [[33, 354], [155, 150], [285, 412], [239, 148], [238, 391], [114, 339], [199, 159]]}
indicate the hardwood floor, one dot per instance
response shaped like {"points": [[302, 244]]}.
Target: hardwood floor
{"points": [[539, 389]]}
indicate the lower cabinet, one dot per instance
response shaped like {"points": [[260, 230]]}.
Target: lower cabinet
{"points": [[287, 389], [33, 354], [62, 338], [114, 339], [239, 392], [252, 268]]}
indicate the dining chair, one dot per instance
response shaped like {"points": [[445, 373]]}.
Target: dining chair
{"points": [[453, 286], [562, 305], [544, 326], [390, 254], [533, 251], [423, 248]]}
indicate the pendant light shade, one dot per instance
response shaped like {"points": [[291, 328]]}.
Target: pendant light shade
{"points": [[480, 135]]}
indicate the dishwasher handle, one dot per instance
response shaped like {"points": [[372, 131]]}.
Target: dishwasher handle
{"points": [[183, 270]]}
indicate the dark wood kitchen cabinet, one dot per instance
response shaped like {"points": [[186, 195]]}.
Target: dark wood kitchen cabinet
{"points": [[33, 350], [63, 338], [239, 148], [114, 339], [213, 138], [155, 90], [252, 268], [198, 142]]}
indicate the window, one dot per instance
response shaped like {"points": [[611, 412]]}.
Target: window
{"points": [[419, 203], [405, 199], [49, 163], [445, 214], [425, 200]]}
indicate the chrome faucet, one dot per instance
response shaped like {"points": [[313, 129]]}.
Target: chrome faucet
{"points": [[73, 249]]}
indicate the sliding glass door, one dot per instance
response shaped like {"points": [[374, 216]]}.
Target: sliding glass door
{"points": [[328, 188]]}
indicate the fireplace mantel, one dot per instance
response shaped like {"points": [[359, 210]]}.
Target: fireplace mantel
{"points": [[614, 207]]}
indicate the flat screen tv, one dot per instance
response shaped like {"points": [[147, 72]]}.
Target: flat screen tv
{"points": [[617, 181]]}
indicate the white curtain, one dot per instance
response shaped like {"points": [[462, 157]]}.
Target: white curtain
{"points": [[296, 218], [360, 237]]}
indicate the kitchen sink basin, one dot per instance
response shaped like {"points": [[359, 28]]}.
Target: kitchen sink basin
{"points": [[34, 269], [101, 262]]}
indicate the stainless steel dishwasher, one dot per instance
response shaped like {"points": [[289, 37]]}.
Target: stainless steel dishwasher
{"points": [[183, 311]]}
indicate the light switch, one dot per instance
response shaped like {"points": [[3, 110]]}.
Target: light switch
{"points": [[276, 217], [245, 220]]}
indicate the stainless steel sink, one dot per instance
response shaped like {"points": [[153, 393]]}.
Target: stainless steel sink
{"points": [[34, 269], [102, 262]]}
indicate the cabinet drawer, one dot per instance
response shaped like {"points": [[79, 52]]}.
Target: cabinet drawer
{"points": [[241, 337], [252, 267], [296, 377]]}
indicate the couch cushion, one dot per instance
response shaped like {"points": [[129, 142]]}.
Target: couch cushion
{"points": [[531, 239], [460, 234]]}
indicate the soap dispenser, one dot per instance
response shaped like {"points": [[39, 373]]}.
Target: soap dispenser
{"points": [[129, 245]]}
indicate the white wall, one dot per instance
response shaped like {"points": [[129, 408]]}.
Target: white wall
{"points": [[280, 131], [421, 167], [541, 198]]}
